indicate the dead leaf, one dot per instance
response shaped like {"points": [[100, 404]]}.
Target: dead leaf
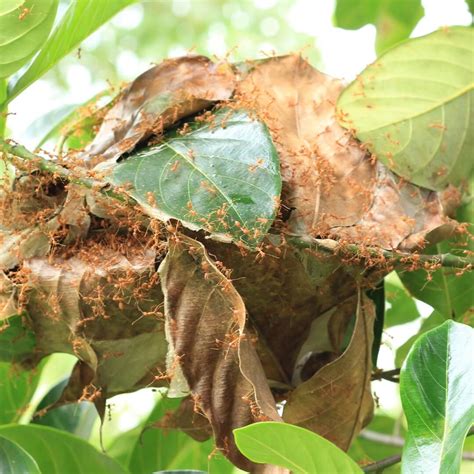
{"points": [[329, 182], [104, 309], [206, 332], [156, 99], [336, 402]]}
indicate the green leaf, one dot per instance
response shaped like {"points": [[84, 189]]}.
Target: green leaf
{"points": [[434, 320], [24, 27], [394, 19], [446, 291], [16, 389], [403, 308], [16, 341], [81, 19], [58, 452], [411, 108], [436, 393], [14, 459], [222, 177], [470, 4], [75, 418], [292, 447]]}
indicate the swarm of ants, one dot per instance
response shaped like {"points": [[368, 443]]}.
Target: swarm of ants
{"points": [[93, 272]]}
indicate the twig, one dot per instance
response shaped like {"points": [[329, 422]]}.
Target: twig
{"points": [[51, 167], [398, 259], [379, 466], [390, 375]]}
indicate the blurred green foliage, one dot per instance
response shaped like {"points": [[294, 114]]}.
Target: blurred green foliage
{"points": [[149, 31]]}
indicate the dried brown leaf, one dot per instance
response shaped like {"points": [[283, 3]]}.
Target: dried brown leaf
{"points": [[206, 331], [158, 98], [336, 402], [105, 311], [329, 182]]}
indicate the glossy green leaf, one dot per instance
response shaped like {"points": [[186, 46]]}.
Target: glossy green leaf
{"points": [[75, 418], [81, 19], [292, 447], [58, 452], [15, 460], [24, 26], [17, 342], [222, 177], [394, 19], [412, 108], [434, 320], [436, 393]]}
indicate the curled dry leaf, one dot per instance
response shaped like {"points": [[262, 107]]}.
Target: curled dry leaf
{"points": [[336, 401], [205, 319], [156, 99], [329, 182], [103, 307]]}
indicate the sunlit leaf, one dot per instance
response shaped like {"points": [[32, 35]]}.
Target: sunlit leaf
{"points": [[221, 177], [436, 392], [14, 459], [58, 452], [411, 108], [81, 19], [24, 27], [292, 447]]}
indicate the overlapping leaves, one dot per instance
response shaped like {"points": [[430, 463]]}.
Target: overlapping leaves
{"points": [[413, 108]]}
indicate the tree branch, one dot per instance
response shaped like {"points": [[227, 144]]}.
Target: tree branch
{"points": [[379, 466], [50, 166], [390, 375], [398, 259], [327, 246]]}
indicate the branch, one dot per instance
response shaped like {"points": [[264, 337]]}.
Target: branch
{"points": [[51, 167], [379, 466], [328, 246], [398, 259], [390, 375]]}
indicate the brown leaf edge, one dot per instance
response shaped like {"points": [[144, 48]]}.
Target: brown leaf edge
{"points": [[205, 320], [336, 402]]}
